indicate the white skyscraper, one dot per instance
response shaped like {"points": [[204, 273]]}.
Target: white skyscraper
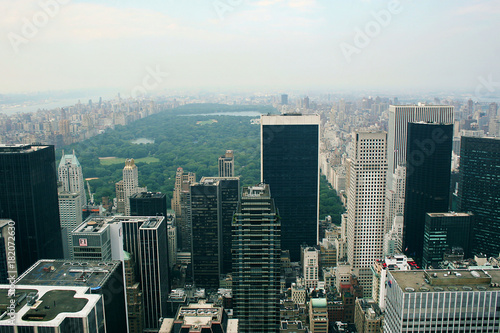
{"points": [[311, 266], [71, 176], [366, 204], [395, 197], [130, 183], [399, 117]]}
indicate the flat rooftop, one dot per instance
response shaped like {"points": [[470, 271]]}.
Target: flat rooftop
{"points": [[93, 224], [148, 195], [52, 306], [19, 148], [447, 280], [448, 214], [91, 274]]}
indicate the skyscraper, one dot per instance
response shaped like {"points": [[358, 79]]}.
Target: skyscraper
{"points": [[148, 204], [205, 257], [226, 164], [28, 196], [154, 270], [290, 166], [445, 231], [428, 171], [130, 182], [479, 191], [70, 211], [71, 176], [366, 204], [399, 117], [181, 204], [256, 261]]}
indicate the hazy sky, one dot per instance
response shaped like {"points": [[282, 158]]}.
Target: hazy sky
{"points": [[403, 45]]}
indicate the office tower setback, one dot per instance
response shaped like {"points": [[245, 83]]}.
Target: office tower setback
{"points": [[366, 204], [445, 231], [479, 191], [256, 261], [71, 176], [290, 166], [154, 270], [443, 301], [148, 204], [226, 164], [399, 117], [428, 171], [28, 196]]}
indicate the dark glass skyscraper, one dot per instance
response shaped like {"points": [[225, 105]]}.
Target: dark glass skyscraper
{"points": [[213, 203], [148, 204], [256, 262], [28, 196], [289, 157], [428, 170], [445, 231], [479, 191]]}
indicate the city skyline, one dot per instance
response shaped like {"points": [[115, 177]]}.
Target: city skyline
{"points": [[152, 46]]}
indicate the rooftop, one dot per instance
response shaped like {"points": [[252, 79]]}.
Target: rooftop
{"points": [[91, 274], [447, 280], [147, 195], [92, 224], [50, 306], [19, 148]]}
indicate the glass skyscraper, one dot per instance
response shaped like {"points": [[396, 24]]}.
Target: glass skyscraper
{"points": [[28, 196], [289, 157], [479, 191], [428, 172]]}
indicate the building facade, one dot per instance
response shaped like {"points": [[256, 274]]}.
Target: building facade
{"points": [[428, 172], [366, 204], [148, 204], [445, 231], [28, 196], [226, 164], [256, 261], [290, 166], [71, 176], [443, 301], [479, 191]]}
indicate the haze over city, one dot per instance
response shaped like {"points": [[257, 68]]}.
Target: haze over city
{"points": [[221, 45]]}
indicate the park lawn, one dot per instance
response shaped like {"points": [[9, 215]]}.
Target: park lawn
{"points": [[117, 160]]}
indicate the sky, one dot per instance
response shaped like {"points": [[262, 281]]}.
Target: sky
{"points": [[145, 46]]}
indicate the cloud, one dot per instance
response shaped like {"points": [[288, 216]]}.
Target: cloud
{"points": [[483, 8]]}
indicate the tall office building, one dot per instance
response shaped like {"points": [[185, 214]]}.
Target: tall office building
{"points": [[154, 270], [181, 204], [284, 99], [213, 203], [120, 197], [445, 231], [437, 301], [395, 197], [290, 166], [366, 204], [92, 240], [399, 117], [226, 164], [479, 191], [130, 183], [148, 204], [428, 171], [256, 261], [28, 196], [205, 256], [71, 176], [70, 211]]}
